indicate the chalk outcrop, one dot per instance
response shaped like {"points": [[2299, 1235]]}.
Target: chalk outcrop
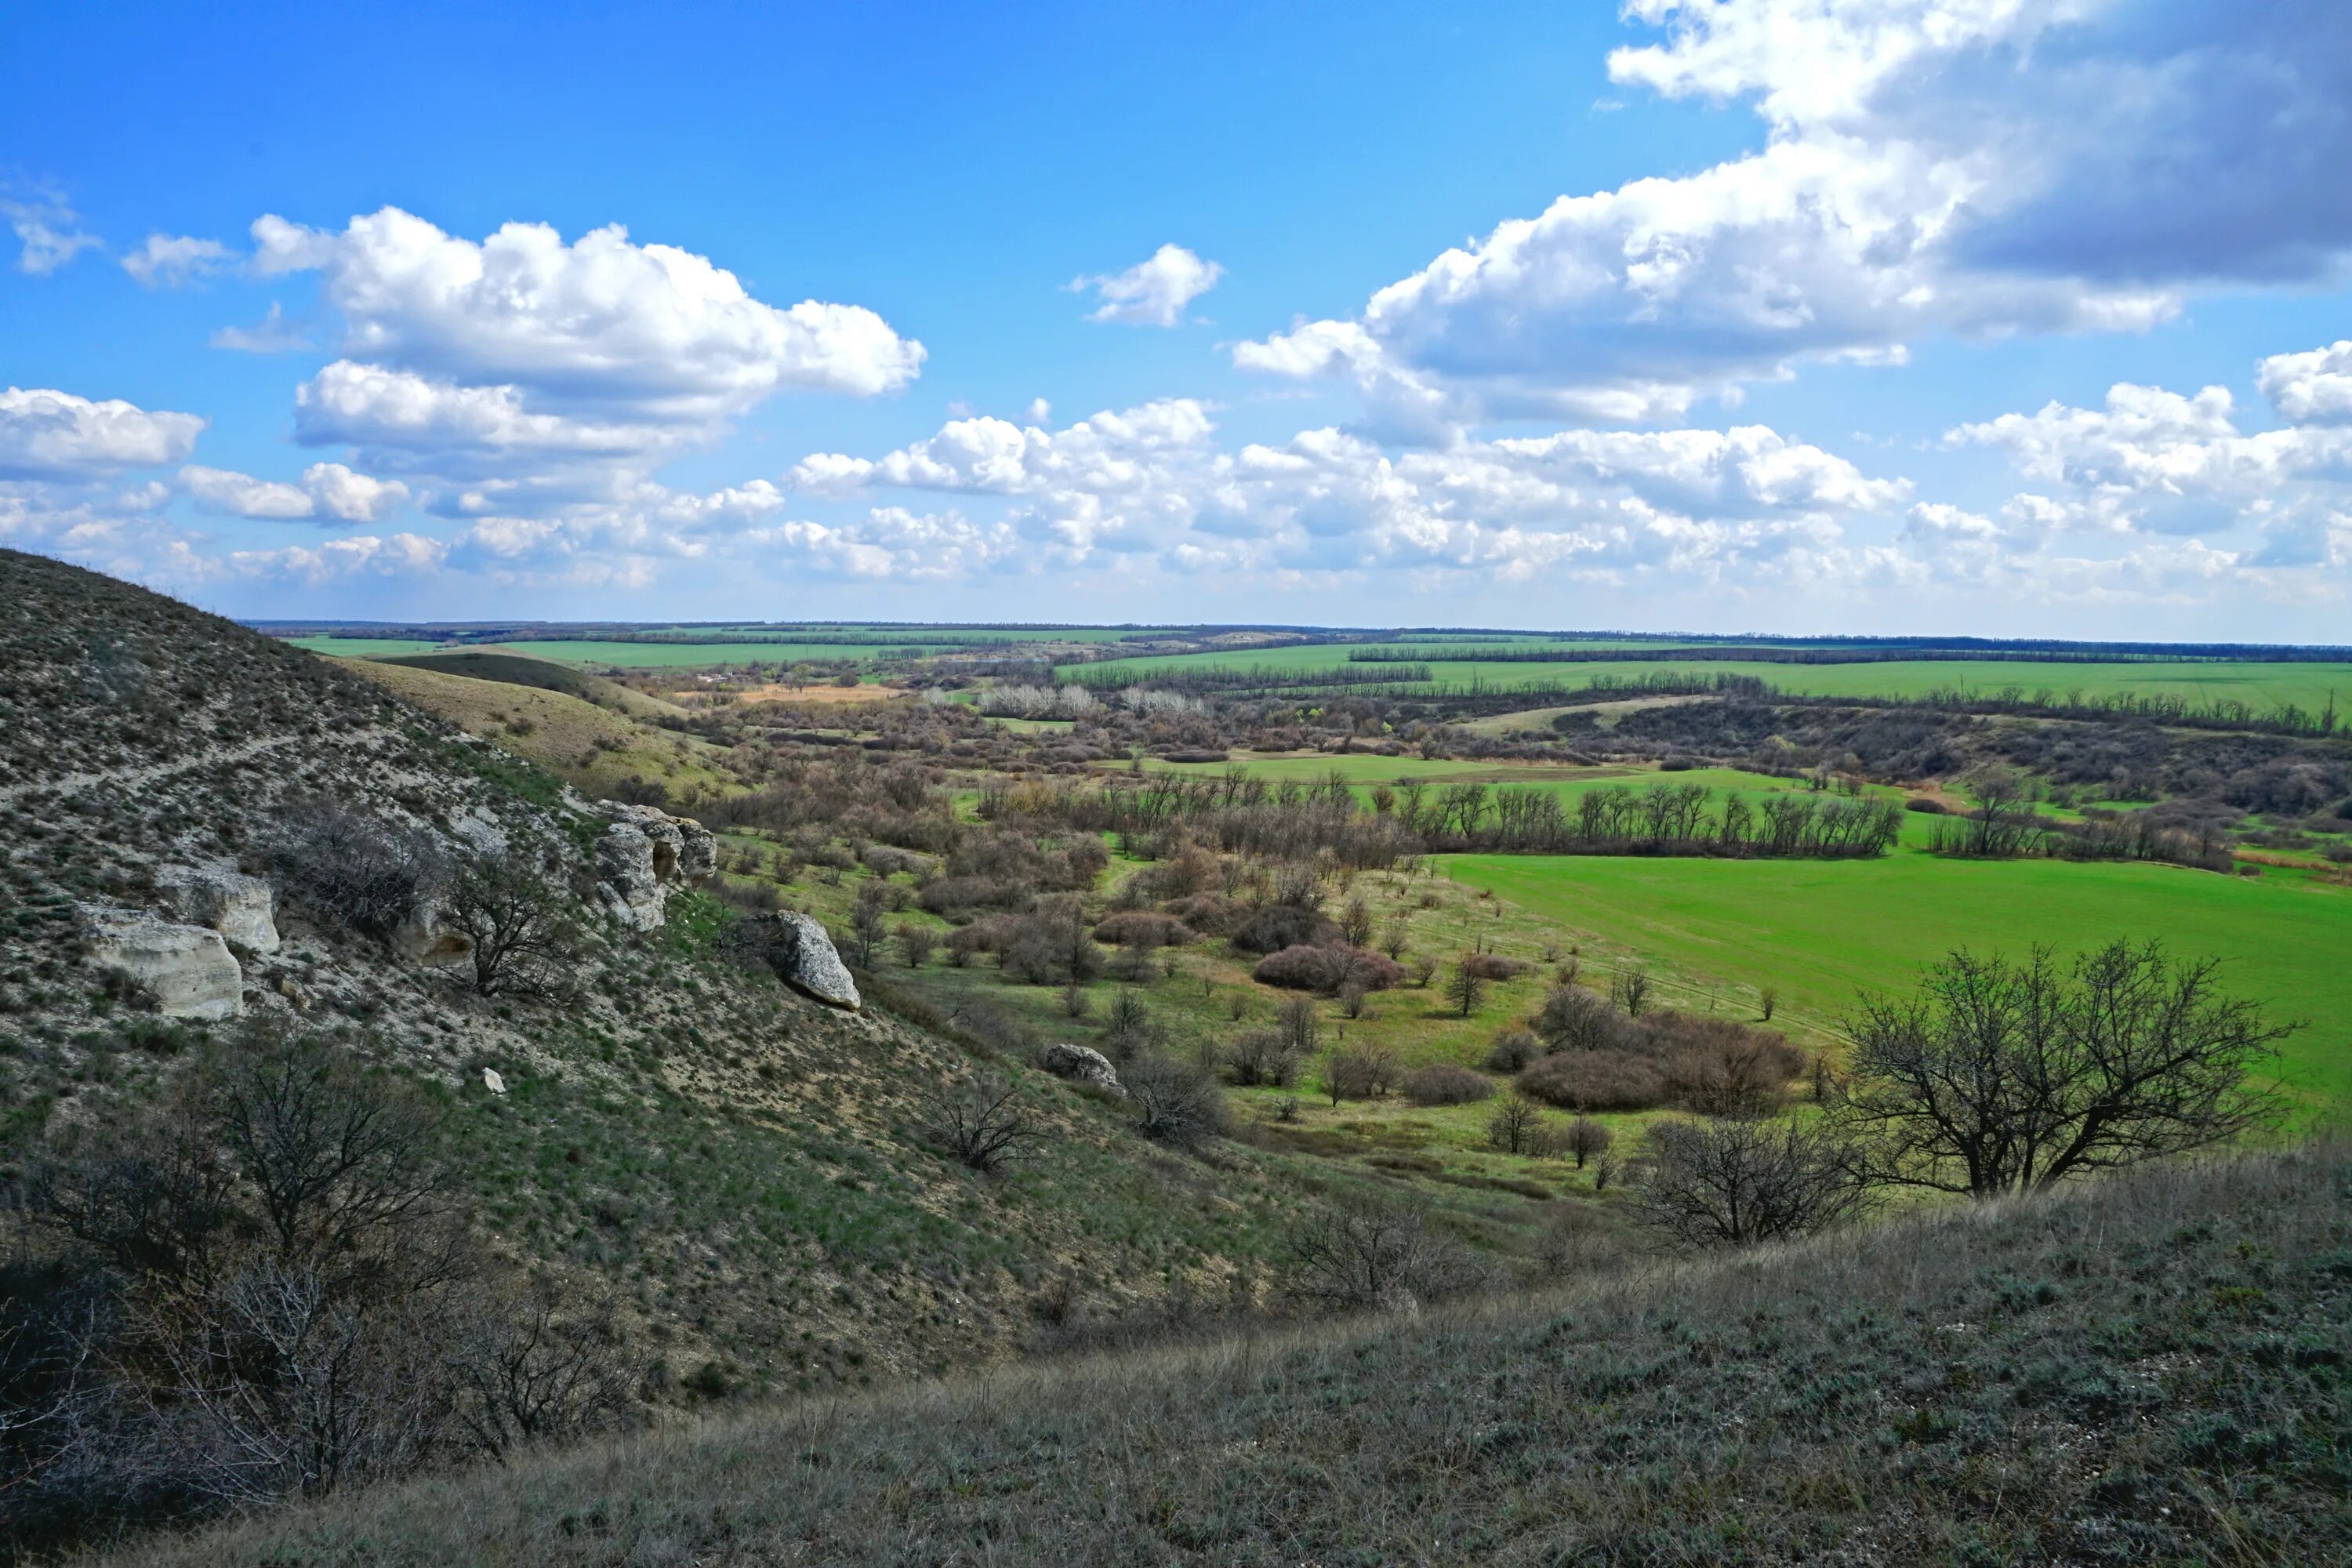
{"points": [[1081, 1064], [644, 854], [242, 908], [427, 938], [183, 970]]}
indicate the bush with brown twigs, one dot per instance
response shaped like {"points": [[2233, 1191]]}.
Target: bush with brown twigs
{"points": [[1447, 1083]]}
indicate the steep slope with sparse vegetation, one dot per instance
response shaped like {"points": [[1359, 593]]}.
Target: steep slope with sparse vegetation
{"points": [[2154, 1370], [756, 1192]]}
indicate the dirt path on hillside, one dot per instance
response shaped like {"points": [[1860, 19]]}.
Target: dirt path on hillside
{"points": [[74, 784]]}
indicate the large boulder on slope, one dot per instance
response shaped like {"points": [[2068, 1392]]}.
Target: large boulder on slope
{"points": [[1081, 1064], [183, 970], [242, 908], [804, 957]]}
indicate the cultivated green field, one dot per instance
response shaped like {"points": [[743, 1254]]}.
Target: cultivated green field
{"points": [[2262, 686], [690, 655], [1820, 930], [364, 648]]}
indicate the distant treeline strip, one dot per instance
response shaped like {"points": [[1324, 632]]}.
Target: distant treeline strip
{"points": [[1465, 654], [1213, 679], [1293, 818], [1416, 683]]}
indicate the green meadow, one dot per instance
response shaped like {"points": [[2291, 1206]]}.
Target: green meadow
{"points": [[2262, 686], [690, 655], [1821, 930], [363, 647]]}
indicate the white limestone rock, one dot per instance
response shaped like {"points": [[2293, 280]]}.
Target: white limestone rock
{"points": [[242, 908], [185, 971], [1083, 1064], [805, 958], [643, 857]]}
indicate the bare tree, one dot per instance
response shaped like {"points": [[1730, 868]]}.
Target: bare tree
{"points": [[1630, 988], [1397, 934], [915, 942], [2009, 1077], [1586, 1139], [1266, 1056], [866, 927], [1369, 1256], [529, 1372], [334, 1154], [1767, 1001], [1465, 987], [1735, 1183], [1362, 1072], [1516, 1125], [981, 1122]]}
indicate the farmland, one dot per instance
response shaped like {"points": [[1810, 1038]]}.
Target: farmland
{"points": [[1819, 931], [2262, 686]]}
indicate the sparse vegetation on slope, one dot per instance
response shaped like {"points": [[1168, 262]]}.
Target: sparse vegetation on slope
{"points": [[2154, 1370]]}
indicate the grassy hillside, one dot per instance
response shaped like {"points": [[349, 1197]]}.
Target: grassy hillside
{"points": [[2151, 1371], [744, 1170], [591, 744]]}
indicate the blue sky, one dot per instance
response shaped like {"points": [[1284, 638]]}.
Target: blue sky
{"points": [[1773, 314]]}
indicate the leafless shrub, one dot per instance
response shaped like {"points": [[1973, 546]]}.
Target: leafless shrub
{"points": [[1366, 1255], [357, 870], [1447, 1083], [1513, 1048], [1595, 1080], [981, 1124], [1175, 1102], [1735, 1183]]}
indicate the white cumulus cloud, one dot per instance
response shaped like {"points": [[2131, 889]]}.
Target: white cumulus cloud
{"points": [[172, 259], [1977, 167], [328, 492], [50, 435], [1154, 291], [49, 233]]}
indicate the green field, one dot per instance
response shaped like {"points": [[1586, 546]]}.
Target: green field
{"points": [[364, 648], [690, 655], [2262, 686], [1820, 929]]}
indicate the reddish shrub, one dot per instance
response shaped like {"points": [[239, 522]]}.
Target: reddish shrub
{"points": [[1447, 1083], [1277, 926], [1211, 913], [1596, 1080], [1494, 967], [1327, 970], [1143, 926]]}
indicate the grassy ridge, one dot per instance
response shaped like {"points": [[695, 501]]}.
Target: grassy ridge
{"points": [[1817, 929], [2150, 1371]]}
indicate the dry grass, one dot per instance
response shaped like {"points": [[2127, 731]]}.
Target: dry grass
{"points": [[588, 746], [2147, 1371], [817, 694]]}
